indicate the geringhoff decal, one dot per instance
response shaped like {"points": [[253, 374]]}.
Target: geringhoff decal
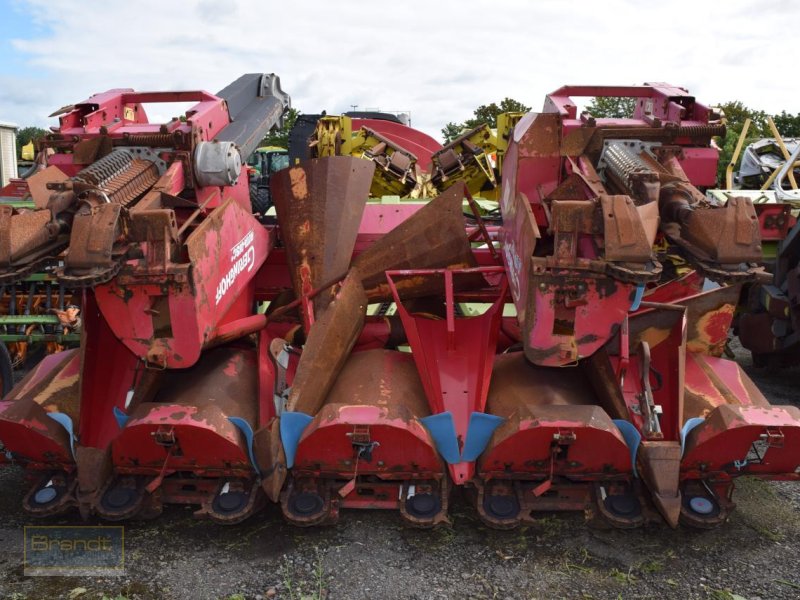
{"points": [[243, 257]]}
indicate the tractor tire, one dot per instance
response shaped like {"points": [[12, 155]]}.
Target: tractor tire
{"points": [[253, 195], [260, 200], [6, 370]]}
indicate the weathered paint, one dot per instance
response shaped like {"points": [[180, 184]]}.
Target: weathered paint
{"points": [[134, 303], [540, 403]]}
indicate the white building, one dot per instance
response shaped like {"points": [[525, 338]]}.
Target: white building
{"points": [[8, 152]]}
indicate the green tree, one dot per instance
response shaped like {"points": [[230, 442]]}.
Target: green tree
{"points": [[736, 113], [788, 125], [452, 130], [484, 114], [612, 107], [280, 137], [26, 134]]}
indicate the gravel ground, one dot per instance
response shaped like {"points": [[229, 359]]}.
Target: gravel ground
{"points": [[372, 555]]}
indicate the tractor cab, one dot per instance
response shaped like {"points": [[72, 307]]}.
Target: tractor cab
{"points": [[264, 162]]}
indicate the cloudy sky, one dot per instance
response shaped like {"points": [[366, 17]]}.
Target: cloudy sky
{"points": [[436, 59]]}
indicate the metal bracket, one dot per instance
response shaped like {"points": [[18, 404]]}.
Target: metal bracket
{"points": [[164, 436], [362, 444], [650, 411], [564, 437], [774, 437]]}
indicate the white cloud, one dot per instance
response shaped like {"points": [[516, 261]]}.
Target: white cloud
{"points": [[437, 59]]}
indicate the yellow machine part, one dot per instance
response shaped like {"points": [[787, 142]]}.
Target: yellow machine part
{"points": [[28, 151]]}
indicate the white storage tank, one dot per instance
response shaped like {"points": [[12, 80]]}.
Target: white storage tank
{"points": [[8, 152]]}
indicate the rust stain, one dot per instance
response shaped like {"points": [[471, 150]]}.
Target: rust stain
{"points": [[297, 177]]}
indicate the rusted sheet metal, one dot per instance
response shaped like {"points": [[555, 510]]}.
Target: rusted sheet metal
{"points": [[567, 305], [186, 426], [273, 379], [713, 382], [84, 209], [735, 430], [377, 452], [709, 316], [723, 242], [656, 324], [53, 384], [571, 220], [319, 204], [552, 426], [92, 238], [161, 307], [537, 164], [606, 236], [382, 378], [604, 379], [640, 183], [96, 225], [167, 314], [32, 437], [94, 472], [433, 237], [271, 459], [25, 235], [660, 468], [26, 429], [379, 391], [745, 440], [569, 316], [518, 236], [329, 342], [629, 229], [225, 252], [85, 152], [581, 183], [727, 235], [37, 183]]}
